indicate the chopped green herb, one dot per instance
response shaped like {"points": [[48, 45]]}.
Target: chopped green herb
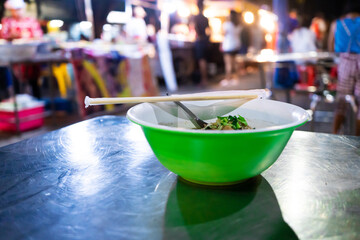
{"points": [[228, 123]]}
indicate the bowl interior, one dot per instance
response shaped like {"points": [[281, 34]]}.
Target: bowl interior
{"points": [[261, 114]]}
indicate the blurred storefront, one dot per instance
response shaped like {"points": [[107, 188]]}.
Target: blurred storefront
{"points": [[88, 51]]}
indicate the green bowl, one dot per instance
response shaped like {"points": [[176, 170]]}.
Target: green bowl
{"points": [[213, 157]]}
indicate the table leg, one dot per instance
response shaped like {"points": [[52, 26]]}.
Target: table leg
{"points": [[52, 93], [13, 94], [288, 95], [354, 109], [262, 75], [315, 99]]}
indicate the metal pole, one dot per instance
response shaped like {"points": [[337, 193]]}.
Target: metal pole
{"points": [[281, 10]]}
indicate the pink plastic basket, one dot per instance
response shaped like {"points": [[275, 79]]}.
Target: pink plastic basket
{"points": [[30, 118]]}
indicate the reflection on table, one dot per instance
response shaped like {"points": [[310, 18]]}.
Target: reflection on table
{"points": [[99, 179]]}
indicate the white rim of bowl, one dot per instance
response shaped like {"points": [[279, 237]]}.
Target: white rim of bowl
{"points": [[305, 118]]}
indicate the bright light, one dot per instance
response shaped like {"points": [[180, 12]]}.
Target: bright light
{"points": [[268, 37], [169, 7], [118, 17], [85, 25], [262, 12], [249, 17], [86, 160], [194, 9], [183, 12], [267, 22], [209, 13], [313, 54], [267, 52], [56, 23], [107, 27], [330, 98], [150, 29], [216, 27], [215, 24], [265, 55], [0, 26], [216, 12]]}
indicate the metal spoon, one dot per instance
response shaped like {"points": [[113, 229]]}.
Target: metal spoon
{"points": [[198, 123]]}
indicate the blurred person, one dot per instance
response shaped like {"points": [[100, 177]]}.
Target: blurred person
{"points": [[19, 26], [246, 39], [318, 26], [257, 37], [245, 36], [285, 73], [231, 44], [302, 39], [136, 29], [287, 24], [344, 39], [201, 25], [293, 20]]}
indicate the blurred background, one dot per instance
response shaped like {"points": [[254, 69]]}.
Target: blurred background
{"points": [[53, 53]]}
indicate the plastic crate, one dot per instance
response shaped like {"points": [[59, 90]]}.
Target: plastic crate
{"points": [[30, 118]]}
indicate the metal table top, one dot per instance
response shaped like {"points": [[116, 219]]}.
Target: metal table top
{"points": [[98, 179]]}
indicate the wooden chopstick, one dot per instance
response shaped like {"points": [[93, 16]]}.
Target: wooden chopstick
{"points": [[103, 101]]}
